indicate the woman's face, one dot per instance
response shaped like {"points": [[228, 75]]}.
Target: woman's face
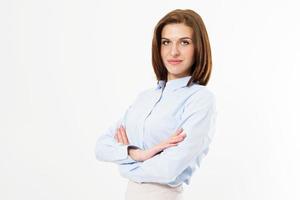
{"points": [[177, 50]]}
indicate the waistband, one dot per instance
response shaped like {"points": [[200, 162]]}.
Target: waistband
{"points": [[150, 186]]}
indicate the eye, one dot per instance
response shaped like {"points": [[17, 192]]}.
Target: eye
{"points": [[185, 42], [165, 42]]}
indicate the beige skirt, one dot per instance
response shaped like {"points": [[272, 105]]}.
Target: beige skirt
{"points": [[152, 191]]}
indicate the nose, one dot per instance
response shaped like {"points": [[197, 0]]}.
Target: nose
{"points": [[175, 51]]}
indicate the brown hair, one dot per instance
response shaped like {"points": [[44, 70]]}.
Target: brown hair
{"points": [[201, 69]]}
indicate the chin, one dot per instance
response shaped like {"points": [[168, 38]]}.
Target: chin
{"points": [[175, 72]]}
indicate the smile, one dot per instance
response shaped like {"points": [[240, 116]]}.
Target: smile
{"points": [[174, 62]]}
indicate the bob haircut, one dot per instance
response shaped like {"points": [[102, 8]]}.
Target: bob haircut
{"points": [[201, 68]]}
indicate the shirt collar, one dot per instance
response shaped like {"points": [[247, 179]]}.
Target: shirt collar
{"points": [[173, 84]]}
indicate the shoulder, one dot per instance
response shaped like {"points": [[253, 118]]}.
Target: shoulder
{"points": [[202, 92], [200, 95]]}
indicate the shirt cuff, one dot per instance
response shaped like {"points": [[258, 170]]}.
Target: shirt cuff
{"points": [[123, 154]]}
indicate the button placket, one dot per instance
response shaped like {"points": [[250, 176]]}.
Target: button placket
{"points": [[147, 115]]}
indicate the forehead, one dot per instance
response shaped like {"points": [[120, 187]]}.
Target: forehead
{"points": [[172, 31]]}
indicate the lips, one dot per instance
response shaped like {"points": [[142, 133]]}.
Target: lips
{"points": [[174, 61]]}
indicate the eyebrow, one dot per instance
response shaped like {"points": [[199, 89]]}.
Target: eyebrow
{"points": [[179, 38]]}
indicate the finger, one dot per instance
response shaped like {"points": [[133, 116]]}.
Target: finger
{"points": [[124, 135], [178, 138], [182, 134], [121, 137], [120, 140], [178, 131]]}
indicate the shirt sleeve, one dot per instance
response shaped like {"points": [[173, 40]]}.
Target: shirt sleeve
{"points": [[198, 122], [107, 149]]}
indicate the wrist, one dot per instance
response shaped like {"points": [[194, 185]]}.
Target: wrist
{"points": [[155, 150], [135, 153]]}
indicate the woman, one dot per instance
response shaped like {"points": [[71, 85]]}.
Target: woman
{"points": [[166, 132]]}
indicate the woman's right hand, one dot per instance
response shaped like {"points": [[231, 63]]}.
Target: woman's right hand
{"points": [[173, 140]]}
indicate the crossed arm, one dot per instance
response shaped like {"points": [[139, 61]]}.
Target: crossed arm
{"points": [[142, 155]]}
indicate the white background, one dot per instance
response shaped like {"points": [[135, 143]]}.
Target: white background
{"points": [[70, 68]]}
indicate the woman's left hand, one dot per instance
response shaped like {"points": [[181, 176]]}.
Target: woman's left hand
{"points": [[135, 154], [121, 136]]}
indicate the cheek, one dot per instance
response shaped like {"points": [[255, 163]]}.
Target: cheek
{"points": [[163, 53], [189, 54]]}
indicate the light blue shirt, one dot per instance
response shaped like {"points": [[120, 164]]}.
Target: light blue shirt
{"points": [[153, 117]]}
